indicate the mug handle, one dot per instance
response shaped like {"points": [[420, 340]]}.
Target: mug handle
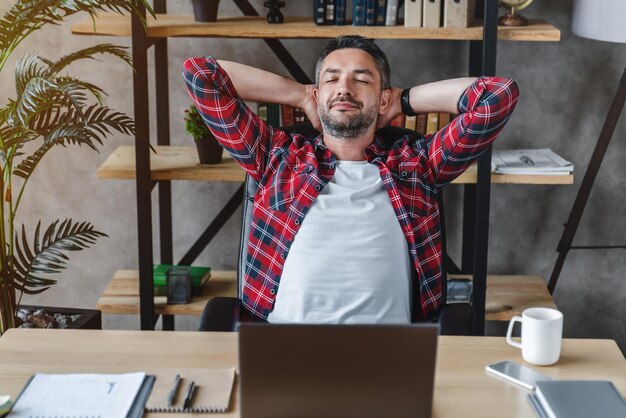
{"points": [[509, 331]]}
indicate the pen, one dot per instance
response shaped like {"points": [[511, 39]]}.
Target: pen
{"points": [[189, 395], [172, 394], [527, 160]]}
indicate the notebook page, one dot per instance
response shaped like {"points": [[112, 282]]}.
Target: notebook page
{"points": [[78, 395]]}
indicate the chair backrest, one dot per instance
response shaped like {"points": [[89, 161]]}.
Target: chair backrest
{"points": [[389, 134]]}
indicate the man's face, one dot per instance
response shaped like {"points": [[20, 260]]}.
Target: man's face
{"points": [[349, 93]]}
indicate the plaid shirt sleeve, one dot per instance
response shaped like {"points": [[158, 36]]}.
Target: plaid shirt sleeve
{"points": [[241, 132], [485, 108]]}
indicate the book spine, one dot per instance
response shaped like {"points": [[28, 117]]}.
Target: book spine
{"points": [[318, 11], [381, 11], [340, 15], [432, 123], [358, 12], [287, 114], [421, 123], [391, 14], [370, 12], [398, 120], [431, 14], [329, 12]]}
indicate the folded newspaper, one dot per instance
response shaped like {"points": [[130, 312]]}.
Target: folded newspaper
{"points": [[542, 161]]}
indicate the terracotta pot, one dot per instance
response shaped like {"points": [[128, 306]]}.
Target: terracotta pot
{"points": [[209, 150], [205, 10]]}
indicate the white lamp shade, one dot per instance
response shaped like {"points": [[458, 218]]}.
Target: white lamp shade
{"points": [[604, 20]]}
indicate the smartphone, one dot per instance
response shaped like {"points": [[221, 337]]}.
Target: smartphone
{"points": [[517, 373]]}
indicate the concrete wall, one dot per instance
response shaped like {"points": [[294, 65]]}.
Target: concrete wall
{"points": [[566, 89]]}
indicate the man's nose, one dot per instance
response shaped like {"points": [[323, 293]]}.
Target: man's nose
{"points": [[344, 88]]}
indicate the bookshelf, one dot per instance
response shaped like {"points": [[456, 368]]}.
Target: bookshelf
{"points": [[506, 295], [166, 26], [179, 163]]}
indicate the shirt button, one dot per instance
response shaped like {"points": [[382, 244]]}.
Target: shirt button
{"points": [[297, 221], [332, 166], [318, 187], [282, 255], [272, 291], [404, 174]]}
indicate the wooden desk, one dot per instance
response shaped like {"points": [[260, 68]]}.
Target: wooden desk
{"points": [[506, 295], [462, 387]]}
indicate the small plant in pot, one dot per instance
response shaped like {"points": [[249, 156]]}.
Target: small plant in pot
{"points": [[205, 10], [209, 150]]}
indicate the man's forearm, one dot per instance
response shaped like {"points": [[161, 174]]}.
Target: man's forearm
{"points": [[263, 86], [439, 96]]}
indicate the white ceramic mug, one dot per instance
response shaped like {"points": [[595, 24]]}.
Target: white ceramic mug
{"points": [[542, 331]]}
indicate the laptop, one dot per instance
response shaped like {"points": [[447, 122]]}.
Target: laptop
{"points": [[336, 371]]}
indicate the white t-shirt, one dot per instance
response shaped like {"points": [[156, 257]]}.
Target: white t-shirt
{"points": [[349, 261]]}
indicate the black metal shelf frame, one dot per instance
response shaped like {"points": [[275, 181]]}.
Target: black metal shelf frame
{"points": [[482, 61]]}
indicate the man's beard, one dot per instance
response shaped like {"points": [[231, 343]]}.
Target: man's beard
{"points": [[347, 128]]}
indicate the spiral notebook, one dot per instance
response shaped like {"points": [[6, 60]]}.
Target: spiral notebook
{"points": [[81, 395], [212, 390]]}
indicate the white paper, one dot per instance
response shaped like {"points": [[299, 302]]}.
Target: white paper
{"points": [[78, 395], [530, 161]]}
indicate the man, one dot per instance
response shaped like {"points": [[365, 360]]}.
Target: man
{"points": [[344, 228]]}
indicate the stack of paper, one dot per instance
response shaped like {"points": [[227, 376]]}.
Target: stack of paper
{"points": [[541, 161]]}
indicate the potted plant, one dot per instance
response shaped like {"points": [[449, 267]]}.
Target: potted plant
{"points": [[51, 109], [205, 10], [209, 150]]}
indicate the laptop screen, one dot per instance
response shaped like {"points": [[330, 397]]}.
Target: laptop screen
{"points": [[325, 371]]}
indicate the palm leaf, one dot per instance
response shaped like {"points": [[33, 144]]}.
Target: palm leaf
{"points": [[48, 253], [27, 16], [88, 53]]}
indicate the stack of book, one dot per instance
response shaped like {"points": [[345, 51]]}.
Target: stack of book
{"points": [[424, 123], [542, 161], [417, 13], [279, 115]]}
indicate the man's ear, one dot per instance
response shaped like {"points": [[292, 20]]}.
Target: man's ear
{"points": [[315, 93], [385, 101]]}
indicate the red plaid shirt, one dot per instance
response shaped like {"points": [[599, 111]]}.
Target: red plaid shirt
{"points": [[292, 170]]}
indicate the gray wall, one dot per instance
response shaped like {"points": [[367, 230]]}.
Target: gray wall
{"points": [[566, 89]]}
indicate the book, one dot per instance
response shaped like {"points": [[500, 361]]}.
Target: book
{"points": [[212, 390], [287, 115], [413, 13], [410, 122], [391, 14], [398, 120], [541, 161], [319, 10], [458, 13], [577, 399], [421, 123], [381, 11], [444, 119], [358, 12], [370, 12], [432, 123], [84, 395], [329, 15], [431, 14], [340, 13]]}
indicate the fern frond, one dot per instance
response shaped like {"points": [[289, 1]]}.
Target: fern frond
{"points": [[88, 53], [47, 254]]}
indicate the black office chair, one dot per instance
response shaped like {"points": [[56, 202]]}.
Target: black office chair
{"points": [[224, 313]]}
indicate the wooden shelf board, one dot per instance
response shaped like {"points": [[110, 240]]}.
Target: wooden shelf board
{"points": [[506, 295], [181, 163], [122, 294], [169, 25]]}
